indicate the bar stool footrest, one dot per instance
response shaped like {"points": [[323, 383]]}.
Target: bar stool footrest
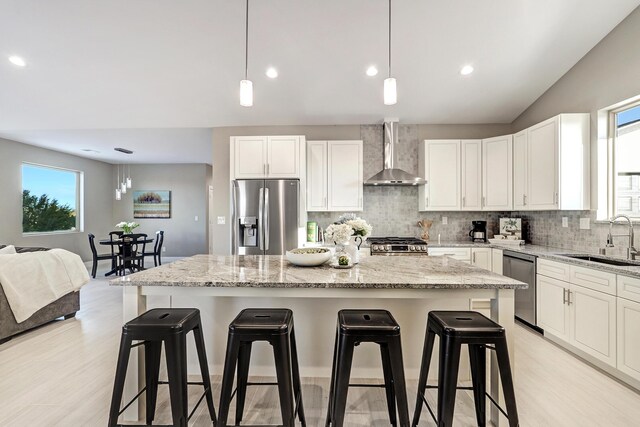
{"points": [[424, 399]]}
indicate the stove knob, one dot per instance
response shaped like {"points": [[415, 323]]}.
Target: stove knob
{"points": [[374, 247], [423, 248], [387, 248], [412, 248]]}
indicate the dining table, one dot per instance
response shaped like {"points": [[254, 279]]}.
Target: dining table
{"points": [[124, 247]]}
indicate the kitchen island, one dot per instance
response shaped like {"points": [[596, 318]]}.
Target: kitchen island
{"points": [[408, 286]]}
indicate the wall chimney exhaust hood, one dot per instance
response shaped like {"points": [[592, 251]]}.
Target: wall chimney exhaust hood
{"points": [[390, 174]]}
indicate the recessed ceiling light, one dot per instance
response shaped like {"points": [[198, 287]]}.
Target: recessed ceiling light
{"points": [[17, 60], [372, 71], [466, 70], [272, 73]]}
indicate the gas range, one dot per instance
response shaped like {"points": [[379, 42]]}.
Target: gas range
{"points": [[397, 246]]}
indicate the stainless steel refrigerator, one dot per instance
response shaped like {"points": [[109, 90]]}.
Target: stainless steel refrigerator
{"points": [[265, 216]]}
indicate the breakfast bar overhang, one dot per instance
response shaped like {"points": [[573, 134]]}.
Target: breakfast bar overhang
{"points": [[409, 286]]}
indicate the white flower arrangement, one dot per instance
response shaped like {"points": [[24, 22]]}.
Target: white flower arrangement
{"points": [[339, 233], [127, 227], [360, 227]]}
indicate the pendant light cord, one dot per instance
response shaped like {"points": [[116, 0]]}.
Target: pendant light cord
{"points": [[246, 41], [389, 37]]}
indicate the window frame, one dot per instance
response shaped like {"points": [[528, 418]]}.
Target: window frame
{"points": [[612, 128], [79, 200]]}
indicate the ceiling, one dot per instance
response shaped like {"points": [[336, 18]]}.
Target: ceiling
{"points": [[166, 64]]}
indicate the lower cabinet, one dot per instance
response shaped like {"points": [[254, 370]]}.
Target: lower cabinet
{"points": [[461, 254], [553, 311], [496, 261], [481, 257], [628, 337], [580, 316]]}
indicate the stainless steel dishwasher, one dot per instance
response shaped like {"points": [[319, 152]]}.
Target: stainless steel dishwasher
{"points": [[522, 267]]}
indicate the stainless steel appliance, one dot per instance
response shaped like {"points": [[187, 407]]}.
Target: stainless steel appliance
{"points": [[265, 216], [478, 231], [522, 267], [397, 246]]}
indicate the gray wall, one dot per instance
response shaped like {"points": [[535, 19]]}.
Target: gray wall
{"points": [[188, 183], [97, 202], [372, 135]]}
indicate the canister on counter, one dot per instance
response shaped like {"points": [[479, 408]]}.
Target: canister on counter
{"points": [[312, 231]]}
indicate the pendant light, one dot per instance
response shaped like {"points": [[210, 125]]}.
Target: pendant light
{"points": [[118, 190], [246, 85], [129, 176], [123, 183], [390, 90]]}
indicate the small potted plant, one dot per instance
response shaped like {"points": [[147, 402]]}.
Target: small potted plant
{"points": [[127, 227]]}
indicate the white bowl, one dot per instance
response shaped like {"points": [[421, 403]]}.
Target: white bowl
{"points": [[309, 260]]}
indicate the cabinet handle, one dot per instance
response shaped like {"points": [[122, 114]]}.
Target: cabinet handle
{"points": [[524, 200], [482, 203], [264, 169], [464, 203], [555, 198], [427, 201], [564, 296], [568, 297], [267, 168], [474, 258]]}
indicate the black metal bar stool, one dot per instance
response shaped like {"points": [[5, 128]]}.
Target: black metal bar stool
{"points": [[375, 326], [276, 327], [479, 332], [168, 325]]}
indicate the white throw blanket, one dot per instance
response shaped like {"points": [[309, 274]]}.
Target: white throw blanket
{"points": [[33, 280]]}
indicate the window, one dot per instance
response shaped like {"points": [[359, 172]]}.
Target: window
{"points": [[625, 134], [50, 199]]}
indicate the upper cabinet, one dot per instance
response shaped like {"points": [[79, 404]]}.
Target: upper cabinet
{"points": [[335, 177], [275, 157], [497, 173], [471, 162], [439, 164], [551, 164]]}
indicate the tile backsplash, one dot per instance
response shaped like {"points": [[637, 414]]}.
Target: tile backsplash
{"points": [[393, 210]]}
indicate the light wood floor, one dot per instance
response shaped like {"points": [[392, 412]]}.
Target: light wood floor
{"points": [[62, 375]]}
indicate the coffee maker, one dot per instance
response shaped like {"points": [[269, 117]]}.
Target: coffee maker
{"points": [[479, 231]]}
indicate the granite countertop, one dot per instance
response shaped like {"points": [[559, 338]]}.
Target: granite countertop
{"points": [[554, 254], [374, 272]]}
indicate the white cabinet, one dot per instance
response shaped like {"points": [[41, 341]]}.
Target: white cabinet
{"points": [[471, 165], [551, 164], [497, 173], [580, 316], [255, 157], [593, 323], [628, 348], [317, 175], [461, 254], [552, 311], [334, 176], [481, 257], [520, 170], [439, 164], [496, 261]]}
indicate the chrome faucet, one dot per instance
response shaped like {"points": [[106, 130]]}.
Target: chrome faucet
{"points": [[631, 251]]}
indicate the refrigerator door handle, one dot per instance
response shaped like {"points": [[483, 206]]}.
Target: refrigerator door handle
{"points": [[261, 219], [234, 234], [266, 218]]}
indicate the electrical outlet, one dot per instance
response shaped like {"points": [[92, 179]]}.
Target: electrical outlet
{"points": [[585, 223], [164, 249], [222, 220], [196, 218], [445, 220], [565, 222]]}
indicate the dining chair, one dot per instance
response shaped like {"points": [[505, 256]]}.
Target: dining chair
{"points": [[131, 254], [157, 249], [99, 257]]}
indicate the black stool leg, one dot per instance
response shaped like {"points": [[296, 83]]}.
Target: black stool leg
{"points": [[175, 347], [121, 373], [478, 359], [388, 383], [334, 377], [447, 379], [282, 356], [244, 356], [397, 368], [204, 371], [424, 373], [297, 384], [94, 268], [343, 373], [502, 353], [152, 353], [233, 348]]}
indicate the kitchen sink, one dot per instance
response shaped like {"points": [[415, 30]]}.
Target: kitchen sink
{"points": [[603, 260]]}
